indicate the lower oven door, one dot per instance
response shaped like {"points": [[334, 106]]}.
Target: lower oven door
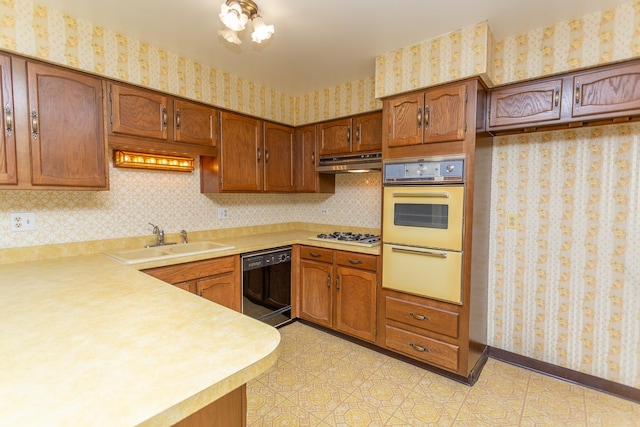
{"points": [[431, 273]]}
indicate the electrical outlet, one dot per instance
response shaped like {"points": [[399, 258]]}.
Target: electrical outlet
{"points": [[223, 213], [324, 211], [512, 221], [23, 221]]}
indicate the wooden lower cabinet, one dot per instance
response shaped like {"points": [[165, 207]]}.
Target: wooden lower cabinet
{"points": [[216, 279], [229, 411], [338, 290]]}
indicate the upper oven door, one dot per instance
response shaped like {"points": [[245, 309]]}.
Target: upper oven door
{"points": [[427, 216]]}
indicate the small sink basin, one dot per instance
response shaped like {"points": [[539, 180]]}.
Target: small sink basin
{"points": [[155, 253], [196, 247]]}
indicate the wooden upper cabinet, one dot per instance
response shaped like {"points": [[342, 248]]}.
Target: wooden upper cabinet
{"points": [[305, 178], [444, 114], [195, 123], [241, 153], [334, 137], [278, 158], [607, 92], [404, 119], [8, 160], [66, 127], [528, 103], [138, 112], [368, 132]]}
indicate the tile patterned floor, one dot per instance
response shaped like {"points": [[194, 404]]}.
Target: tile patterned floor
{"points": [[322, 380]]}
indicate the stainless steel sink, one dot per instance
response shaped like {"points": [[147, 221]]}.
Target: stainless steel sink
{"points": [[155, 253]]}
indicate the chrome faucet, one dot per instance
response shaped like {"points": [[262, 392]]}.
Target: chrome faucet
{"points": [[160, 233], [184, 236]]}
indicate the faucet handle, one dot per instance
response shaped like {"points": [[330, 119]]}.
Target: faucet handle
{"points": [[184, 236], [155, 228]]}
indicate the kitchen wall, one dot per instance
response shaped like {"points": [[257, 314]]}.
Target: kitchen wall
{"points": [[564, 286], [173, 201]]}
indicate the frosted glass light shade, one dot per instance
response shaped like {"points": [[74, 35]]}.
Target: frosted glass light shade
{"points": [[261, 31], [229, 35], [232, 17]]}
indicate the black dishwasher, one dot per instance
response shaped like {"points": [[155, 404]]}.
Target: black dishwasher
{"points": [[266, 285]]}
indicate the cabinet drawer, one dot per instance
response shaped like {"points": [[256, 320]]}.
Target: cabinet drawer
{"points": [[192, 270], [423, 348], [429, 318], [316, 254], [356, 260]]}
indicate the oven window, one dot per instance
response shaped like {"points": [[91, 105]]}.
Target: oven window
{"points": [[420, 215]]}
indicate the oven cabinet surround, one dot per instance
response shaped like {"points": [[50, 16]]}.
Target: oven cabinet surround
{"points": [[150, 120], [53, 132], [350, 135], [216, 279], [424, 117], [254, 156], [307, 180], [337, 289], [601, 95], [449, 336]]}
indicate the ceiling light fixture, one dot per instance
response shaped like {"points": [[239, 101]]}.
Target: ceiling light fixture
{"points": [[235, 14]]}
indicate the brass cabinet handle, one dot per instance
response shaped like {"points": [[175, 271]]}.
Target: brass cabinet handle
{"points": [[419, 117], [178, 119], [8, 119], [426, 117], [164, 117], [418, 316], [358, 130], [315, 254], [355, 261], [418, 348], [266, 155], [313, 157], [348, 134], [556, 97], [259, 154], [328, 281], [577, 95], [34, 124], [338, 283]]}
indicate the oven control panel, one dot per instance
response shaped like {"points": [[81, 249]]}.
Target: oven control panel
{"points": [[424, 170]]}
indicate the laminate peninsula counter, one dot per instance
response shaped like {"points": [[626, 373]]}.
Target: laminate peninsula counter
{"points": [[85, 340]]}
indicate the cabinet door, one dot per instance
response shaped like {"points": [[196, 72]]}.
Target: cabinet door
{"points": [[356, 302], [195, 123], [607, 92], [221, 289], [278, 158], [527, 103], [241, 153], [306, 159], [8, 163], [315, 292], [67, 131], [404, 116], [138, 112], [334, 137], [368, 132], [444, 114]]}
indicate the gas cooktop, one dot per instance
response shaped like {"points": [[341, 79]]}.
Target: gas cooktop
{"points": [[349, 238]]}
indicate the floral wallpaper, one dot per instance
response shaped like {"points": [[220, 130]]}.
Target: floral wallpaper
{"points": [[565, 284]]}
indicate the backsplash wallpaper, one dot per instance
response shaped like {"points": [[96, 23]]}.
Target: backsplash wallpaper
{"points": [[172, 200], [564, 285]]}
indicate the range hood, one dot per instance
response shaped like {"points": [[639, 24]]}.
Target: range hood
{"points": [[350, 163]]}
